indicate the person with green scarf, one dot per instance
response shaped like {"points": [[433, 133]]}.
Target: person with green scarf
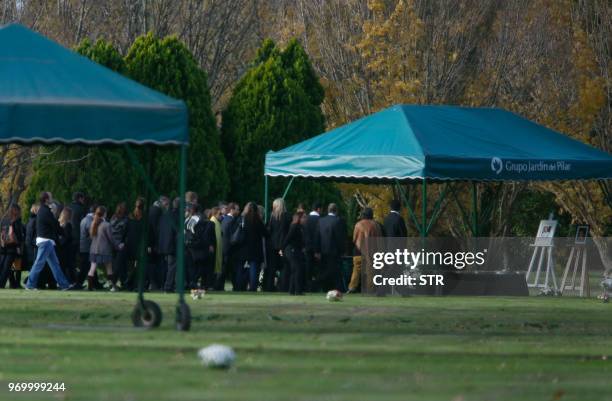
{"points": [[215, 217]]}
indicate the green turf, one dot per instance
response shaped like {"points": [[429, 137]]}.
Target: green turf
{"points": [[305, 348]]}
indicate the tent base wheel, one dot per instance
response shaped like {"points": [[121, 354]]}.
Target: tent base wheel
{"points": [[147, 315], [183, 317]]}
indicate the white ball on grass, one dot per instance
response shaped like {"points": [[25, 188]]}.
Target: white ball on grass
{"points": [[217, 356], [334, 295]]}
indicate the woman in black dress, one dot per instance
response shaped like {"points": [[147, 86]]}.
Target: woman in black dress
{"points": [[293, 250], [251, 249]]}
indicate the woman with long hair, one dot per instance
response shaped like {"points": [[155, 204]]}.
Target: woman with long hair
{"points": [[133, 236], [278, 227], [11, 248], [102, 245], [294, 251], [65, 252], [251, 253]]}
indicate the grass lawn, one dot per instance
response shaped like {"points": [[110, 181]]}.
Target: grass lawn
{"points": [[305, 348]]}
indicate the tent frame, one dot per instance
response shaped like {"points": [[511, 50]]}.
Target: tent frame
{"points": [[425, 225]]}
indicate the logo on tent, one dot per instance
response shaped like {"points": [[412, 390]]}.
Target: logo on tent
{"points": [[497, 165]]}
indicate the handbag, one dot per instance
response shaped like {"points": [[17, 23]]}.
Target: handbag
{"points": [[17, 264], [237, 237]]}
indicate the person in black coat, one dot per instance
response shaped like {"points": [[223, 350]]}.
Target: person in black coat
{"points": [[30, 238], [155, 261], [168, 224], [310, 244], [278, 227], [394, 225], [134, 238], [47, 235], [65, 248], [331, 241], [119, 222], [250, 251], [11, 247], [293, 250], [228, 225], [200, 243]]}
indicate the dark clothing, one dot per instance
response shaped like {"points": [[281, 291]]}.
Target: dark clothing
{"points": [[65, 252], [251, 249], [19, 236], [30, 241], [331, 236], [331, 244], [199, 238], [228, 225], [78, 212], [10, 252], [155, 214], [310, 232], [394, 226], [47, 225], [133, 235], [293, 246], [168, 223], [278, 229], [119, 228]]}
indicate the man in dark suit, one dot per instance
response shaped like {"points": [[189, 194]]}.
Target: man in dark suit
{"points": [[394, 224], [331, 238], [166, 245], [310, 242], [228, 225]]}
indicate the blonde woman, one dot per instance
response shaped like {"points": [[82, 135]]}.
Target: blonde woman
{"points": [[278, 227], [65, 253], [102, 245]]}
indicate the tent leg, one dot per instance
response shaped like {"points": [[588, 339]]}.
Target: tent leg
{"points": [[437, 209], [288, 187], [183, 314], [265, 198], [407, 205], [474, 209]]}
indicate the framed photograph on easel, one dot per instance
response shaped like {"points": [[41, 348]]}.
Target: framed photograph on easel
{"points": [[582, 232], [546, 233]]}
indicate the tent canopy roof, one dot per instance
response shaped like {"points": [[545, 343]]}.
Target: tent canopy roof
{"points": [[49, 94], [442, 143]]}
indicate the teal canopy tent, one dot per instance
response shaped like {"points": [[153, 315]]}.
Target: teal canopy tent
{"points": [[440, 143], [51, 95]]}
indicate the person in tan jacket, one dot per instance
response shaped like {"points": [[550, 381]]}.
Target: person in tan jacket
{"points": [[365, 228]]}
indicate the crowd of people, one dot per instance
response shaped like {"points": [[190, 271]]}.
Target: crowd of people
{"points": [[76, 247]]}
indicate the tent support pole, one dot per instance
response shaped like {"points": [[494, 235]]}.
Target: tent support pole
{"points": [[437, 210], [288, 187], [424, 209], [265, 198], [180, 237], [407, 204], [474, 209]]}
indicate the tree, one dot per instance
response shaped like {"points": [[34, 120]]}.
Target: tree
{"points": [[167, 66], [277, 103]]}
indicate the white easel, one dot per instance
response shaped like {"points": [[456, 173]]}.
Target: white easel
{"points": [[578, 255], [543, 245]]}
